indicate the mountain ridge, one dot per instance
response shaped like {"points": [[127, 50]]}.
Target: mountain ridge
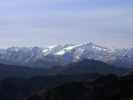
{"points": [[65, 54], [78, 68]]}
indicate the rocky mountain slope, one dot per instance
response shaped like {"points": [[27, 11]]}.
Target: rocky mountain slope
{"points": [[65, 54]]}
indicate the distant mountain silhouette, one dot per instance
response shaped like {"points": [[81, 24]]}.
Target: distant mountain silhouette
{"points": [[20, 71], [92, 66], [81, 67]]}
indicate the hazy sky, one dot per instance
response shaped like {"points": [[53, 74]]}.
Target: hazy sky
{"points": [[48, 22]]}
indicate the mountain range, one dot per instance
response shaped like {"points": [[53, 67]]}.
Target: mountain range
{"points": [[65, 54], [27, 71]]}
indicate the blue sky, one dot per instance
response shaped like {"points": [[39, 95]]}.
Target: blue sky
{"points": [[49, 22]]}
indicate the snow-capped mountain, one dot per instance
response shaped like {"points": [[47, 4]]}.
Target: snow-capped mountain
{"points": [[65, 54]]}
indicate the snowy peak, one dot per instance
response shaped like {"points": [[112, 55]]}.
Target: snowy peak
{"points": [[64, 54], [85, 46]]}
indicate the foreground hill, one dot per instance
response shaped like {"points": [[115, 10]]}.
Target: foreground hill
{"points": [[18, 82], [20, 88], [108, 87]]}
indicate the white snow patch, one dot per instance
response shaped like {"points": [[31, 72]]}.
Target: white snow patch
{"points": [[51, 47], [67, 49], [99, 48], [45, 51]]}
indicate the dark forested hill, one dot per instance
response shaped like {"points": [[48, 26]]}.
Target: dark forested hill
{"points": [[19, 88], [18, 82], [108, 87]]}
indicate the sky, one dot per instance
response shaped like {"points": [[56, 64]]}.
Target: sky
{"points": [[49, 22]]}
